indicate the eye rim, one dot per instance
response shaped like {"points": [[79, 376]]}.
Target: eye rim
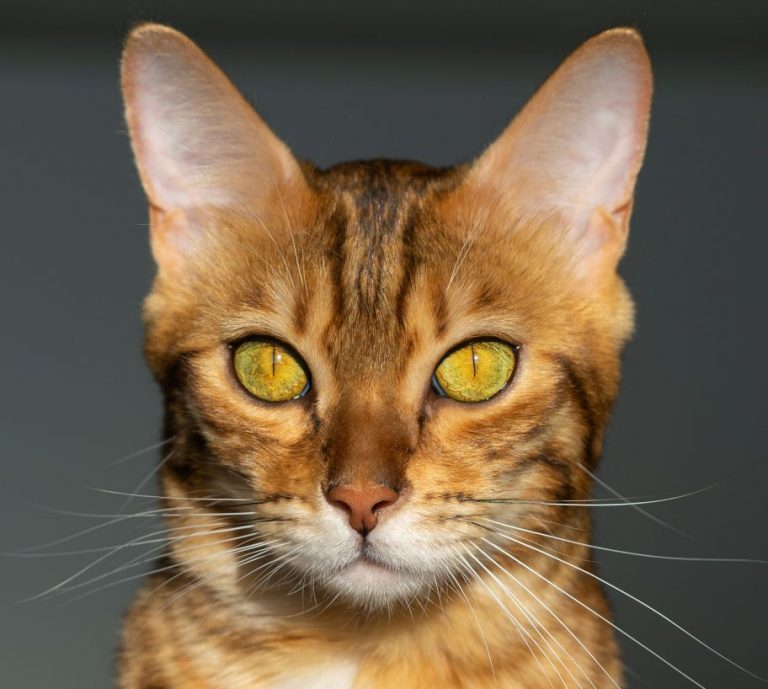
{"points": [[234, 345], [437, 389]]}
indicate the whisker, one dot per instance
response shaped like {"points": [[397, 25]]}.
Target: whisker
{"points": [[558, 619], [560, 525], [138, 453], [62, 584], [149, 514], [641, 602], [461, 592], [195, 583], [291, 231], [112, 584], [146, 480], [598, 615], [288, 272], [637, 508], [180, 511], [157, 570], [653, 556], [591, 502], [185, 498], [143, 559], [605, 619], [77, 574], [293, 552], [518, 626], [84, 532], [537, 626], [100, 549], [463, 251]]}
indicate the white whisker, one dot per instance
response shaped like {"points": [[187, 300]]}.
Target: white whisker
{"points": [[62, 584], [537, 627], [289, 274], [518, 626], [461, 592], [142, 559], [146, 480], [184, 498], [560, 621], [593, 502], [637, 508], [138, 453], [653, 556], [639, 601], [591, 610]]}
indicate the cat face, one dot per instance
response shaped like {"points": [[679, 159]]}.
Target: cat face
{"points": [[369, 479]]}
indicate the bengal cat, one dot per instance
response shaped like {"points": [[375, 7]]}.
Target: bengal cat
{"points": [[386, 387]]}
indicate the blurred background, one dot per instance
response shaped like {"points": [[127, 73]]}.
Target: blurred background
{"points": [[425, 80]]}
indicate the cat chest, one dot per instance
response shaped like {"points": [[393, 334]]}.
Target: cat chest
{"points": [[338, 674]]}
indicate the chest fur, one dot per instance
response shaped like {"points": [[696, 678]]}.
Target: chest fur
{"points": [[339, 674]]}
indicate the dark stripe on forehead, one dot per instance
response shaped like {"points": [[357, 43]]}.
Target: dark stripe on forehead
{"points": [[378, 209], [336, 257], [409, 263], [300, 312], [376, 213], [441, 314]]}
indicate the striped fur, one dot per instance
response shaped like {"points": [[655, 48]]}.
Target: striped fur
{"points": [[372, 270]]}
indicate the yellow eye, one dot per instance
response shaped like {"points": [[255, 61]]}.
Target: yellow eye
{"points": [[476, 371], [269, 371]]}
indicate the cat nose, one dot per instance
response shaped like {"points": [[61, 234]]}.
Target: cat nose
{"points": [[362, 504]]}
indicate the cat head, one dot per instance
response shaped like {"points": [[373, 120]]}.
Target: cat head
{"points": [[367, 366]]}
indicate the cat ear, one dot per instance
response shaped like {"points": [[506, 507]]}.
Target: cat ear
{"points": [[196, 140], [576, 148]]}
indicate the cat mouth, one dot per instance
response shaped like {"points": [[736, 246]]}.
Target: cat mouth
{"points": [[368, 561], [371, 579], [372, 562], [370, 574]]}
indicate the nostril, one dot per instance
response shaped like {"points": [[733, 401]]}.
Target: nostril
{"points": [[382, 504], [340, 504]]}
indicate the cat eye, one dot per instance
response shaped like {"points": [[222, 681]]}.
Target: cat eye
{"points": [[270, 371], [475, 371]]}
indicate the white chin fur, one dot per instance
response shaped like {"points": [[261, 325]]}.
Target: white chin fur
{"points": [[410, 560], [372, 586]]}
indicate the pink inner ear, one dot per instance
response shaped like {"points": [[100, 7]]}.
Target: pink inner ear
{"points": [[578, 144], [197, 141]]}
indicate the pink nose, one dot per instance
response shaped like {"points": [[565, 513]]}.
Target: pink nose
{"points": [[362, 504]]}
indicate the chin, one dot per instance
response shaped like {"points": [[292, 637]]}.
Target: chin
{"points": [[367, 584]]}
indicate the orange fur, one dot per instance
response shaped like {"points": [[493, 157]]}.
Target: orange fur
{"points": [[372, 271]]}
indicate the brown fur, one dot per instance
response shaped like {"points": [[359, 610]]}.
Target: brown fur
{"points": [[372, 271]]}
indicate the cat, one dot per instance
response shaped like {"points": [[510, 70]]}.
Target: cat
{"points": [[386, 387]]}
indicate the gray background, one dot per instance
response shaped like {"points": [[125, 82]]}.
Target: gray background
{"points": [[399, 79]]}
